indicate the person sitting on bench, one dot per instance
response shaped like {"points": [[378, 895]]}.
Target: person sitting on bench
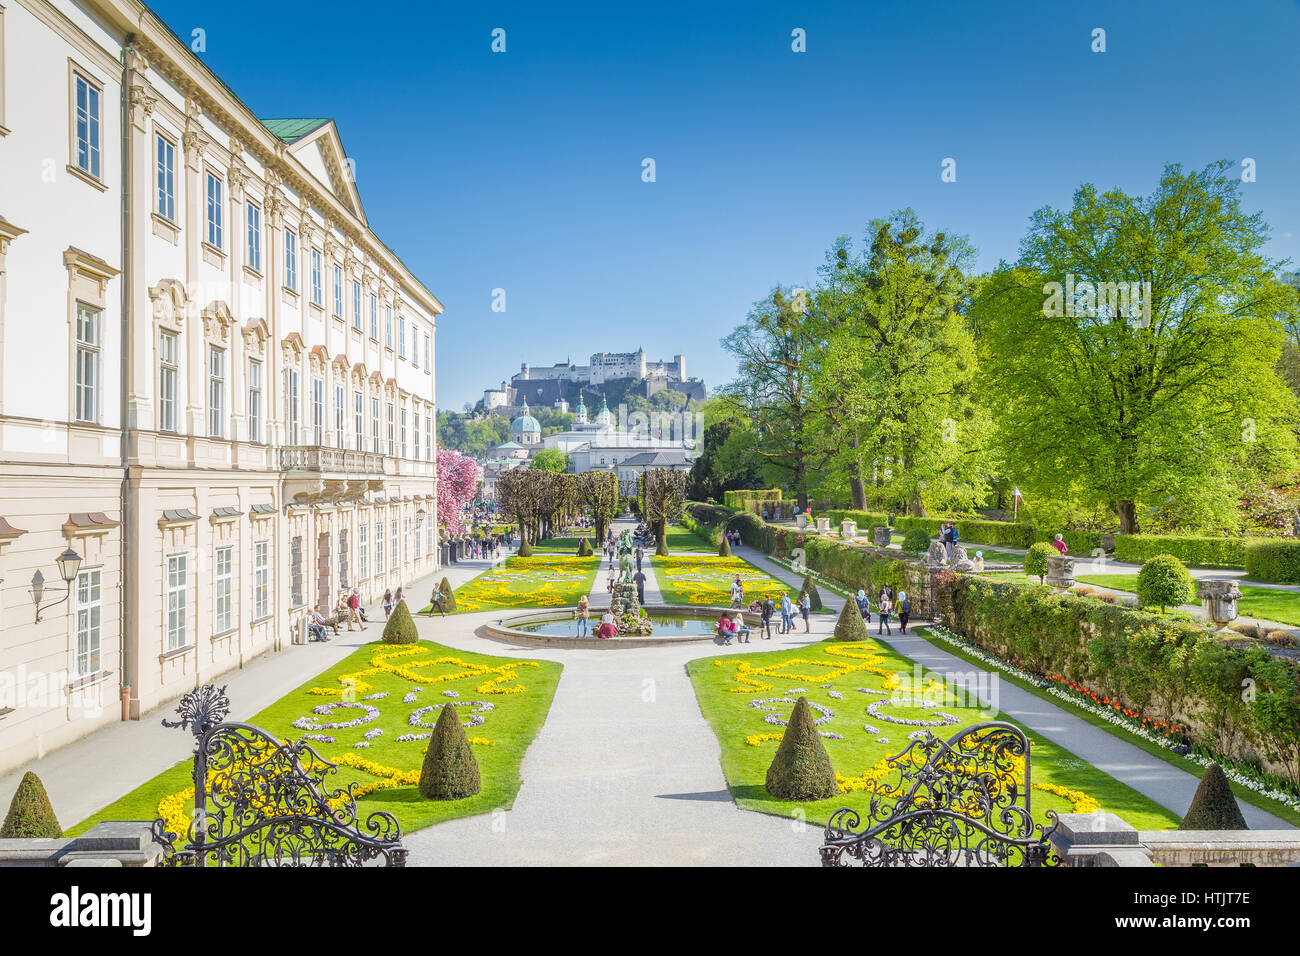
{"points": [[316, 625]]}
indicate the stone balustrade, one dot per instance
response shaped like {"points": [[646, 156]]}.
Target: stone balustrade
{"points": [[1104, 839], [112, 843]]}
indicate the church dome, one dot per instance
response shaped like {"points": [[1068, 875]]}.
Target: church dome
{"points": [[525, 424]]}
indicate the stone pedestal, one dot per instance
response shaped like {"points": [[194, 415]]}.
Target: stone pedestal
{"points": [[801, 521], [1060, 572], [848, 529], [880, 536], [1219, 597], [823, 525]]}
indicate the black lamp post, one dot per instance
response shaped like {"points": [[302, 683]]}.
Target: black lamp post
{"points": [[69, 563]]}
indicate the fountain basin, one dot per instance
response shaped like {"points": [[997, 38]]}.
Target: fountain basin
{"points": [[557, 627]]}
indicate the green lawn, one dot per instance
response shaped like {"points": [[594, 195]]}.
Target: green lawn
{"points": [[1267, 603], [510, 727], [545, 580], [805, 671], [567, 545], [683, 539]]}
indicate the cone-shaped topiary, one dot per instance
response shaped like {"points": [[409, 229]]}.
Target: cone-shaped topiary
{"points": [[450, 771], [584, 547], [724, 549], [448, 595], [399, 628], [801, 769], [850, 626], [1214, 807], [30, 814], [525, 549], [813, 594]]}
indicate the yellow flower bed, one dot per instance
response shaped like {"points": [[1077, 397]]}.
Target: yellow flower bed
{"points": [[706, 579], [861, 651], [551, 581], [382, 663]]}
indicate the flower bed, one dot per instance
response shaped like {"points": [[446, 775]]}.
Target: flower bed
{"points": [[706, 579], [540, 581]]}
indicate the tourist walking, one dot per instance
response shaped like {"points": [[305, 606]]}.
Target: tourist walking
{"points": [[388, 604], [639, 554], [787, 614], [805, 610], [639, 580], [584, 612], [904, 611], [737, 592], [767, 611], [1059, 544], [884, 607], [399, 597], [864, 605], [435, 602], [354, 610]]}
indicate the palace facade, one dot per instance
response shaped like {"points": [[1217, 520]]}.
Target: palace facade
{"points": [[216, 382]]}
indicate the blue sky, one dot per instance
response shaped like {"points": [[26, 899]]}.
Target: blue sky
{"points": [[522, 170]]}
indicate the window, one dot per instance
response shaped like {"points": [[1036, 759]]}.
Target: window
{"points": [[291, 259], [393, 528], [254, 237], [428, 353], [318, 410], [401, 435], [374, 317], [86, 362], [428, 436], [317, 290], [363, 550], [216, 392], [379, 546], [415, 540], [375, 445], [293, 406], [254, 400], [392, 445], [343, 557], [406, 537], [166, 179], [339, 432], [415, 347], [261, 579], [428, 535], [87, 125], [177, 599], [356, 305], [401, 336], [214, 211], [222, 584], [89, 609], [415, 436], [168, 372], [358, 414], [295, 572], [388, 326], [338, 291]]}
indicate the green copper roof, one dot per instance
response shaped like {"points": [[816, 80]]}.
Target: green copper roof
{"points": [[292, 130]]}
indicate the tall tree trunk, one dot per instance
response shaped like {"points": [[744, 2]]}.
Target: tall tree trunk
{"points": [[855, 478], [1127, 512], [801, 483]]}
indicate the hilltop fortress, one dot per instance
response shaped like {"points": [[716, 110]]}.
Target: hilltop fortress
{"points": [[559, 385]]}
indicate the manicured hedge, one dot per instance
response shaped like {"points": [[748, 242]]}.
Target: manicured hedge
{"points": [[742, 499], [1007, 534], [1273, 560], [866, 519], [1192, 551], [851, 567]]}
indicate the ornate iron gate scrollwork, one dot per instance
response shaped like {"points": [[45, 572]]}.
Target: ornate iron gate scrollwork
{"points": [[959, 802], [259, 801]]}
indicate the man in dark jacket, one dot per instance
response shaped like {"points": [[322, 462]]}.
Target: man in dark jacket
{"points": [[767, 610]]}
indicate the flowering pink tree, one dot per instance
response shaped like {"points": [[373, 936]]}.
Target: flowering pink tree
{"points": [[458, 478]]}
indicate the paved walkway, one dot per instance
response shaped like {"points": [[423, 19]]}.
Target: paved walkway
{"points": [[1162, 782], [85, 776]]}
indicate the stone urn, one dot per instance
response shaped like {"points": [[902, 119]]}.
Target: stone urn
{"points": [[1060, 572], [1219, 597], [801, 521], [823, 525], [880, 536], [848, 529]]}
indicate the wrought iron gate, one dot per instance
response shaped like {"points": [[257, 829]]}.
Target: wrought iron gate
{"points": [[960, 802], [259, 801]]}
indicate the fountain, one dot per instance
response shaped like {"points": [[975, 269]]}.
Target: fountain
{"points": [[624, 605]]}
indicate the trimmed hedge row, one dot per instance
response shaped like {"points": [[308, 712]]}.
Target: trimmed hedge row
{"points": [[1166, 669], [741, 500], [851, 567], [1192, 551], [1273, 560], [866, 519]]}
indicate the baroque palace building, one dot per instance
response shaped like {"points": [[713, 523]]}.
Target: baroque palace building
{"points": [[216, 382]]}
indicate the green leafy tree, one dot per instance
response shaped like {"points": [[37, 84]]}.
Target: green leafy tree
{"points": [[550, 459], [1130, 353], [916, 541], [597, 494], [1036, 559], [663, 496], [1164, 581]]}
